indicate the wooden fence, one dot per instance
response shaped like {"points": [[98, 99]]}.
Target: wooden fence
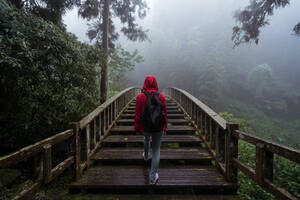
{"points": [[222, 137], [97, 123]]}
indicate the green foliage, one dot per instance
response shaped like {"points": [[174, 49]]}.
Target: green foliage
{"points": [[125, 10], [259, 78], [48, 78], [120, 62], [47, 9], [286, 173]]}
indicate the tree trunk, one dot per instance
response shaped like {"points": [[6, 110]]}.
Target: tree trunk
{"points": [[104, 71]]}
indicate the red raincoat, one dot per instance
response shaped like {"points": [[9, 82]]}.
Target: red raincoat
{"points": [[150, 85]]}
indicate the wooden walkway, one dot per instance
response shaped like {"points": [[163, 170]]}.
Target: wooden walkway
{"points": [[186, 166], [199, 155]]}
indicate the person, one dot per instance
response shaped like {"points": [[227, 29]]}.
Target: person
{"points": [[141, 124]]}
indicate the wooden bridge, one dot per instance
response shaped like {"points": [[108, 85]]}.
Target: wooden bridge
{"points": [[199, 153]]}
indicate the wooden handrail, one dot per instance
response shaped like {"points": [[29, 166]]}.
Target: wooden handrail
{"points": [[263, 172], [41, 151], [31, 150], [87, 119], [281, 150], [213, 115], [92, 129], [215, 132]]}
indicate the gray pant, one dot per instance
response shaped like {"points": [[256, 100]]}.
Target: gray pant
{"points": [[156, 141]]}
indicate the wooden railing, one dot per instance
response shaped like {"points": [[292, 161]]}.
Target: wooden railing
{"points": [[42, 155], [91, 130], [263, 172], [222, 137], [97, 124]]}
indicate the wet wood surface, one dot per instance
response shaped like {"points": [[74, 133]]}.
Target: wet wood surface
{"points": [[165, 154], [130, 122], [117, 165], [170, 130], [140, 139], [137, 177]]}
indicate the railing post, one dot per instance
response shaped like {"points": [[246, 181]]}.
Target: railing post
{"points": [[47, 163], [77, 150], [38, 166], [88, 148], [95, 132], [100, 126], [231, 152], [264, 164]]}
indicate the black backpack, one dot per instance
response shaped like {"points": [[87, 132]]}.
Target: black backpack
{"points": [[153, 117]]}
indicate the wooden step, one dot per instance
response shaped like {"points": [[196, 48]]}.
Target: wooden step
{"points": [[170, 130], [167, 100], [170, 121], [170, 116], [188, 139], [108, 196], [168, 104], [135, 154], [168, 112], [168, 108], [205, 179]]}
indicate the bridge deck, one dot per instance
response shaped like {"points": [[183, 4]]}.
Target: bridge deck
{"points": [[186, 165]]}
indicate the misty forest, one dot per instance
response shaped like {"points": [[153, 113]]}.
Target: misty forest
{"points": [[62, 59]]}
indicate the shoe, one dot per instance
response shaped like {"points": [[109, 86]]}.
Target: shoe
{"points": [[153, 182], [145, 157]]}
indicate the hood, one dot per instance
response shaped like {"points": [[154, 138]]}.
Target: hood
{"points": [[150, 83]]}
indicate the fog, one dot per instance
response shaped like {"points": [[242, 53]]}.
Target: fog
{"points": [[190, 47]]}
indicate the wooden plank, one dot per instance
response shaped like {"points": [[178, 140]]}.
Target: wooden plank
{"points": [[31, 150], [170, 116], [168, 112], [170, 121], [137, 177], [170, 130], [168, 107], [127, 154], [140, 139], [277, 191], [281, 150], [56, 171], [250, 172]]}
